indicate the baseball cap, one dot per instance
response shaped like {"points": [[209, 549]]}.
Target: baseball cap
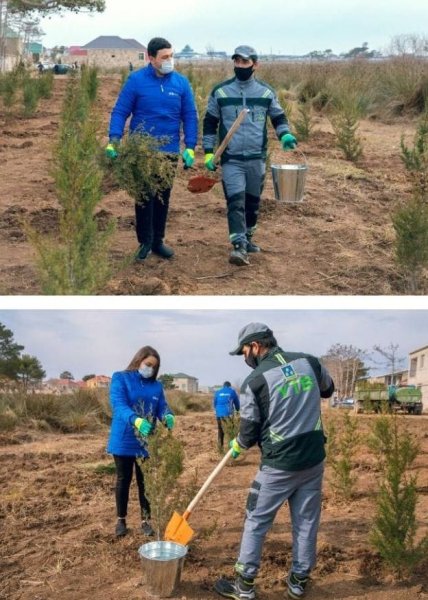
{"points": [[253, 332], [245, 52]]}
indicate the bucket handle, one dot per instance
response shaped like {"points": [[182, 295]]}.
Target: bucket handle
{"points": [[300, 152]]}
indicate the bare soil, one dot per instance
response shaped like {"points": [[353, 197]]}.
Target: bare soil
{"points": [[57, 517], [339, 240]]}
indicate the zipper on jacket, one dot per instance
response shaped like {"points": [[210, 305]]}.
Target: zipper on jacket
{"points": [[162, 88]]}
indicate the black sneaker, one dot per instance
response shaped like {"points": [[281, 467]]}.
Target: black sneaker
{"points": [[162, 250], [296, 586], [239, 589], [143, 251], [252, 247], [239, 255], [147, 529], [121, 528]]}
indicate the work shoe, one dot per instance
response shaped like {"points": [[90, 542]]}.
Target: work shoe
{"points": [[143, 251], [296, 585], [147, 529], [239, 255], [121, 528], [252, 247], [239, 589], [162, 250]]}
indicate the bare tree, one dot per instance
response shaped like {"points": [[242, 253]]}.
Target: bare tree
{"points": [[345, 364], [409, 44], [391, 358]]}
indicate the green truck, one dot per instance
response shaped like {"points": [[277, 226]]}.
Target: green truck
{"points": [[377, 397]]}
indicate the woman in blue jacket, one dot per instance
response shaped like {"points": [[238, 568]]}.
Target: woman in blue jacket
{"points": [[138, 402]]}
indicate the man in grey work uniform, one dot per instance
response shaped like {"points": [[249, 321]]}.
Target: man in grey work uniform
{"points": [[244, 160], [280, 411]]}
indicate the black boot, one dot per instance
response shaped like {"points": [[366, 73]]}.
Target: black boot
{"points": [[251, 246], [121, 528], [239, 255], [143, 251], [161, 250], [238, 589], [147, 529]]}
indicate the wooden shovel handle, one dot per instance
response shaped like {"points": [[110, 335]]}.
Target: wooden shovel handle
{"points": [[207, 483], [235, 125]]}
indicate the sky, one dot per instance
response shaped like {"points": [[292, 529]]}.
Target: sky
{"points": [[276, 26], [198, 342]]}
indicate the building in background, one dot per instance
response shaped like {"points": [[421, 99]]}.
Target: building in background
{"points": [[112, 51], [99, 381], [418, 372], [185, 383]]}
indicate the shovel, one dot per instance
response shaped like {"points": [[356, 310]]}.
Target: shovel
{"points": [[202, 183], [178, 529]]}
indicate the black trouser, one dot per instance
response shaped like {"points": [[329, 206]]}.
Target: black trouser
{"points": [[151, 213], [150, 218], [124, 467]]}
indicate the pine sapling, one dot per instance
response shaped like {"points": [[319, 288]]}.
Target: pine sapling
{"points": [[342, 443], [394, 526]]}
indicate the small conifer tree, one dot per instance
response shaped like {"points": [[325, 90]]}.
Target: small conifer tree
{"points": [[394, 526], [76, 260]]}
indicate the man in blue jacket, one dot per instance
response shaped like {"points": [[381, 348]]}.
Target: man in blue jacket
{"points": [[225, 402], [160, 101]]}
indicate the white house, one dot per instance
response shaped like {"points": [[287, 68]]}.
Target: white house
{"points": [[185, 383], [418, 372]]}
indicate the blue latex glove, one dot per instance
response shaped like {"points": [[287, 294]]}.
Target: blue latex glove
{"points": [[236, 448], [188, 157], [111, 149], [143, 426], [209, 163], [288, 142], [169, 421]]}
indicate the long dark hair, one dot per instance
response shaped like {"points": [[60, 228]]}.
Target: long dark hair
{"points": [[143, 353]]}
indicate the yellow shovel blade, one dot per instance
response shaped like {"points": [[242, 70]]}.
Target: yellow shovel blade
{"points": [[178, 530]]}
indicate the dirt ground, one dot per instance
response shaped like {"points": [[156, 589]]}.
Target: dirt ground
{"points": [[57, 518], [339, 240]]}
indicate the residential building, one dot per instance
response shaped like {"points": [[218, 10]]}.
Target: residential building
{"points": [[99, 381], [11, 49], [418, 372], [397, 378], [185, 383], [110, 51], [62, 386]]}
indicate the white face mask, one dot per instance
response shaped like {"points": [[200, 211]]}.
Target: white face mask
{"points": [[167, 66], [146, 371]]}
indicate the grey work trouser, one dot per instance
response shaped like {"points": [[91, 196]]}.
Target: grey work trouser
{"points": [[270, 489], [243, 182]]}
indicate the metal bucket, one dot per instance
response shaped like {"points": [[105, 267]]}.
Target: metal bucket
{"points": [[289, 182], [162, 565]]}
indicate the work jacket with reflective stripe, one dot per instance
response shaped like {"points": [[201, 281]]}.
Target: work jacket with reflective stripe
{"points": [[225, 103], [281, 409]]}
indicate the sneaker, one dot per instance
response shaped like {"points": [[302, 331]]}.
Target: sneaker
{"points": [[147, 529], [162, 250], [143, 251], [252, 247], [239, 255], [121, 528], [296, 585], [239, 589]]}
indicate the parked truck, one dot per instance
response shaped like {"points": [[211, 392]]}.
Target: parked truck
{"points": [[379, 397]]}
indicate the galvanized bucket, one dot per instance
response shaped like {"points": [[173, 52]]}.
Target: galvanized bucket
{"points": [[162, 566], [289, 182]]}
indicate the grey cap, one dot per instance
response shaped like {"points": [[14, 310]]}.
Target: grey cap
{"points": [[245, 52], [253, 332]]}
